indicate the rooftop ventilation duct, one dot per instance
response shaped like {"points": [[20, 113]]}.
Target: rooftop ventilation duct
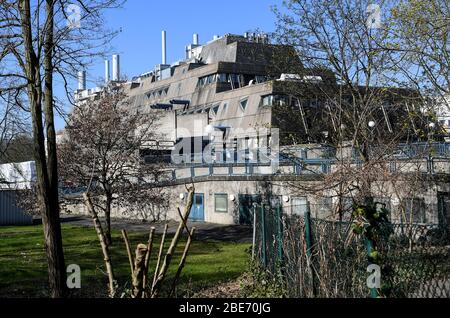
{"points": [[107, 74], [195, 39], [82, 80], [116, 67], [164, 47]]}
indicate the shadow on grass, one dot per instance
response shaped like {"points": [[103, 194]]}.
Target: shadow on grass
{"points": [[23, 267]]}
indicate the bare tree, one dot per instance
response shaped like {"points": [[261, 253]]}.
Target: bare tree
{"points": [[37, 43], [353, 108], [102, 147], [419, 40]]}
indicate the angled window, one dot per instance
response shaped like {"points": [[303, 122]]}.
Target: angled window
{"points": [[215, 109], [243, 103], [225, 107], [267, 100], [222, 78]]}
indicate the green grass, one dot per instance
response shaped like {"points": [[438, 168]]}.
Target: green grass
{"points": [[23, 267]]}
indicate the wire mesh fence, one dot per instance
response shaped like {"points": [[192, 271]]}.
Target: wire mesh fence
{"points": [[324, 258]]}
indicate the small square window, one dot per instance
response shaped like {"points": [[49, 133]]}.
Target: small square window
{"points": [[299, 205], [221, 202], [324, 208], [414, 210]]}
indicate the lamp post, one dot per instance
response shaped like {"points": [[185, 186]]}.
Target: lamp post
{"points": [[431, 127], [371, 124]]}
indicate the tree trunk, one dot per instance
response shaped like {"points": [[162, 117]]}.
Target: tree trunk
{"points": [[47, 189], [182, 262], [108, 219], [105, 248]]}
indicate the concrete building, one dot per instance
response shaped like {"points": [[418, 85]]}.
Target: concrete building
{"points": [[228, 93]]}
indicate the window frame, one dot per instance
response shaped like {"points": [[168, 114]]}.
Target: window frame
{"points": [[216, 195], [299, 198], [408, 212], [246, 100], [215, 109]]}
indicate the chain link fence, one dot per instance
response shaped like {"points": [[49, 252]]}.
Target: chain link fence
{"points": [[324, 258]]}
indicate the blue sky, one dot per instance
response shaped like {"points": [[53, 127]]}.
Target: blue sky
{"points": [[142, 21]]}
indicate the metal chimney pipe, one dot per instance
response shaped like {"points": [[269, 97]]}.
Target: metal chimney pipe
{"points": [[164, 47], [82, 80], [107, 75], [195, 39], [116, 67]]}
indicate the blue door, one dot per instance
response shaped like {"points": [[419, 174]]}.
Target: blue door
{"points": [[198, 208]]}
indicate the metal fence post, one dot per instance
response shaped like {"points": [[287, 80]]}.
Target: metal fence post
{"points": [[263, 235], [308, 229], [279, 234], [254, 232], [308, 238], [369, 248]]}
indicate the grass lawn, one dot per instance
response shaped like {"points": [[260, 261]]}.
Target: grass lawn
{"points": [[23, 267]]}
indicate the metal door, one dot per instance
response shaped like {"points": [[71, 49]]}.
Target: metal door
{"points": [[444, 209], [198, 208], [246, 208]]}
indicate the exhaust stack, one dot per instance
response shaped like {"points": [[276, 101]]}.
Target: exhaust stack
{"points": [[116, 67], [107, 75], [82, 80], [195, 39], [164, 48]]}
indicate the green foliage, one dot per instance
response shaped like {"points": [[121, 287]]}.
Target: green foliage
{"points": [[259, 283]]}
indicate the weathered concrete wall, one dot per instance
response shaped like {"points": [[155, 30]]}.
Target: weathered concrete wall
{"points": [[393, 193]]}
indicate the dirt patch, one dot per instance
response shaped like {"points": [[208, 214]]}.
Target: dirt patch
{"points": [[227, 290]]}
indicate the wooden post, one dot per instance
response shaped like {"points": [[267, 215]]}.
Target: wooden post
{"points": [[102, 239], [139, 269], [173, 245], [148, 255], [127, 245], [182, 262], [161, 248]]}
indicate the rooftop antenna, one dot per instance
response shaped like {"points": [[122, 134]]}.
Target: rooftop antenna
{"points": [[164, 47]]}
